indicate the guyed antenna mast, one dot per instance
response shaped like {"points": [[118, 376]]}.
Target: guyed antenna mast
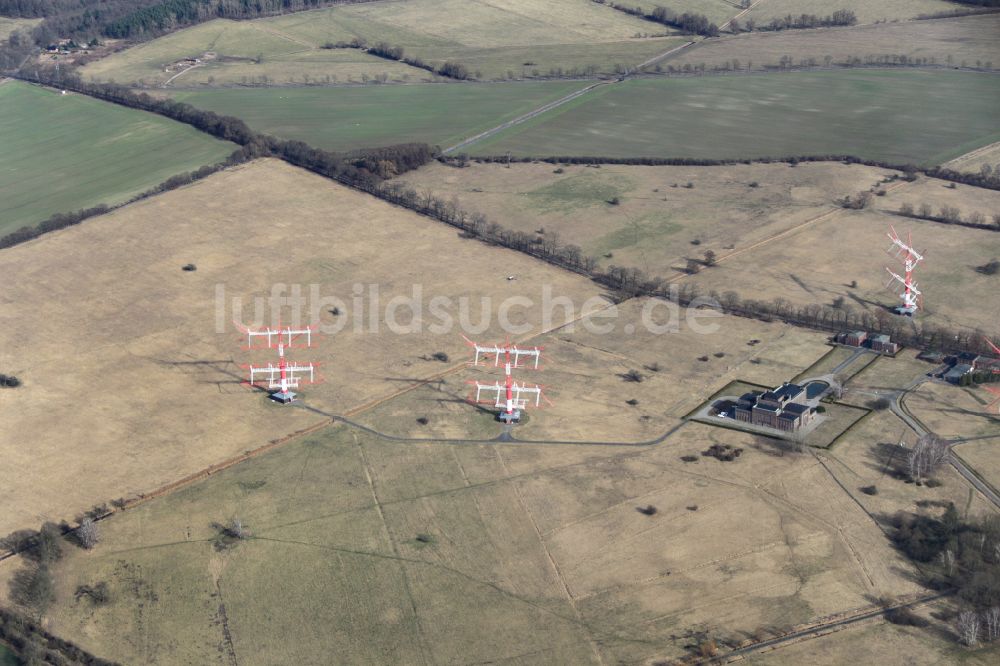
{"points": [[908, 292]]}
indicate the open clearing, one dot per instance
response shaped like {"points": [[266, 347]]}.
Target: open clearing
{"points": [[153, 383], [9, 25], [494, 40], [866, 11], [365, 117], [517, 551], [894, 115], [657, 218], [970, 39], [66, 152]]}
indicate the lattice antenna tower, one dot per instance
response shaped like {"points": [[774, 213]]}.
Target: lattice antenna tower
{"points": [[904, 285], [511, 396], [285, 375]]}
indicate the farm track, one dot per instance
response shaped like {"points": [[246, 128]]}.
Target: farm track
{"points": [[525, 117], [819, 630], [973, 154]]}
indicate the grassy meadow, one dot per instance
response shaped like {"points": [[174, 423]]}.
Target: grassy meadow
{"points": [[66, 152], [894, 115], [348, 118]]}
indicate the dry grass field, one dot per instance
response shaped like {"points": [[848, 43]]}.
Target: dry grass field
{"points": [[956, 411], [938, 193], [584, 376], [136, 384], [808, 267], [237, 47], [470, 553], [867, 12], [975, 160], [494, 40], [655, 224], [981, 456], [970, 39]]}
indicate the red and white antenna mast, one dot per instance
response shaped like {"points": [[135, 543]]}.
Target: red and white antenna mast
{"points": [[286, 374], [911, 296], [511, 396]]}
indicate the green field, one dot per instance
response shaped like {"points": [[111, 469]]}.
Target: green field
{"points": [[349, 118], [894, 115], [66, 152]]}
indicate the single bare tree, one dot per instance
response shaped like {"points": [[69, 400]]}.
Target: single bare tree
{"points": [[88, 533], [968, 628], [927, 456], [948, 560]]}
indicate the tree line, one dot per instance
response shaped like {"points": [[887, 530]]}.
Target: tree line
{"points": [[982, 179], [949, 215], [687, 22], [840, 17], [452, 70]]}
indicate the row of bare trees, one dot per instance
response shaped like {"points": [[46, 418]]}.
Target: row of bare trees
{"points": [[974, 628], [949, 215]]}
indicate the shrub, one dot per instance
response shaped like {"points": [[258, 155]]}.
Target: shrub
{"points": [[870, 490], [989, 268], [189, 267], [440, 356], [633, 376], [689, 459], [632, 401], [423, 420], [648, 510]]}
